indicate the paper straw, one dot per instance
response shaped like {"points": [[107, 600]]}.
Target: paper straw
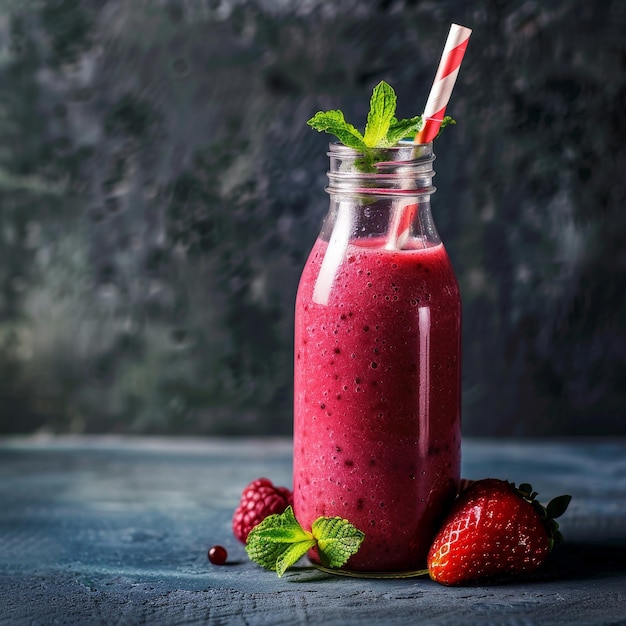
{"points": [[438, 99], [443, 84], [400, 226]]}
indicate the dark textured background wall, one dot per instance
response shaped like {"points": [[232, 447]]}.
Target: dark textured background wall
{"points": [[159, 192]]}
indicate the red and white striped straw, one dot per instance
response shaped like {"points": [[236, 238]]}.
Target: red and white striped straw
{"points": [[434, 111], [443, 84]]}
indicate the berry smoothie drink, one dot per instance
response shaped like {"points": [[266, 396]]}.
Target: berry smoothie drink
{"points": [[377, 397]]}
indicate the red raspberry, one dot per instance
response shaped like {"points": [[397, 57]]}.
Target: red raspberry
{"points": [[258, 500]]}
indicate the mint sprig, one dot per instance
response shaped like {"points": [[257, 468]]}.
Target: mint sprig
{"points": [[382, 129], [279, 541]]}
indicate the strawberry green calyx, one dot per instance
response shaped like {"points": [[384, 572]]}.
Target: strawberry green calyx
{"points": [[382, 129], [548, 514], [279, 541]]}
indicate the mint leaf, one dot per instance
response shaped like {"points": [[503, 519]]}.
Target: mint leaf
{"points": [[337, 540], [382, 110], [447, 121], [333, 122], [278, 541], [292, 555], [404, 129]]}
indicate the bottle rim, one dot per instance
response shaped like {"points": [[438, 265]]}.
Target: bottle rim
{"points": [[403, 169], [402, 148]]}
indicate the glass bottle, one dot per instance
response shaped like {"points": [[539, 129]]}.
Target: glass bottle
{"points": [[377, 361]]}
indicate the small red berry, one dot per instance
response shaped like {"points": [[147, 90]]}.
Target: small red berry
{"points": [[217, 555], [258, 500]]}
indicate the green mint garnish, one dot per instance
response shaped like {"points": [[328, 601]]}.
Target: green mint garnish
{"points": [[382, 129], [279, 541], [334, 123], [446, 121], [381, 115], [337, 540]]}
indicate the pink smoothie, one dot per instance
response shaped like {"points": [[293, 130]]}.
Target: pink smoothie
{"points": [[377, 396]]}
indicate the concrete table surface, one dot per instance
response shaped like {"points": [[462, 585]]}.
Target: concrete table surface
{"points": [[115, 531]]}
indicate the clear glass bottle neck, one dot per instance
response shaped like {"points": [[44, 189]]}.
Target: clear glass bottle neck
{"points": [[382, 197]]}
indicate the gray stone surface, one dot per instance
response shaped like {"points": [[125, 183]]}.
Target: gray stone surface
{"points": [[115, 531]]}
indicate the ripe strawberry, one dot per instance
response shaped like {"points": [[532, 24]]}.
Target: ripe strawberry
{"points": [[258, 500], [494, 529]]}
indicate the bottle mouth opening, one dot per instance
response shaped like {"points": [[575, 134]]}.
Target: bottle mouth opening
{"points": [[405, 169], [404, 144], [403, 151]]}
